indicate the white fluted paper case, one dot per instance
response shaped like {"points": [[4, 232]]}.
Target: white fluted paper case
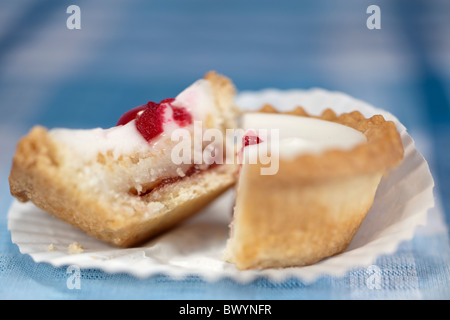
{"points": [[195, 247]]}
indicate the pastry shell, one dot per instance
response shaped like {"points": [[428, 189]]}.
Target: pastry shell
{"points": [[37, 176], [47, 173], [313, 206]]}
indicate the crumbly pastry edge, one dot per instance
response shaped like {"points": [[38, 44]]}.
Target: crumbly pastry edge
{"points": [[36, 176], [382, 151]]}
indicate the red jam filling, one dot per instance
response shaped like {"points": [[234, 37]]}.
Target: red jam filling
{"points": [[150, 117]]}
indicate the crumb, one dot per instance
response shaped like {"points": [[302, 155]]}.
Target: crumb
{"points": [[51, 247], [180, 172], [75, 248]]}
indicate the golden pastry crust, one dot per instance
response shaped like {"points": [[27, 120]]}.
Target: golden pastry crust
{"points": [[382, 151], [224, 92], [312, 208], [42, 172], [37, 176]]}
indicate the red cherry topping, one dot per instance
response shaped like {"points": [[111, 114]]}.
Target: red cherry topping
{"points": [[249, 140], [168, 100], [150, 122], [150, 117], [130, 115]]}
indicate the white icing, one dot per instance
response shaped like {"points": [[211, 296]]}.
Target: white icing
{"points": [[299, 135], [198, 99], [121, 140], [117, 140]]}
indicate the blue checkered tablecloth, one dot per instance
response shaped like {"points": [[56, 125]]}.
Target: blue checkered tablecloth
{"points": [[127, 52]]}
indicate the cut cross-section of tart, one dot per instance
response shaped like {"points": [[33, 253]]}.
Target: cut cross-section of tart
{"points": [[311, 203], [123, 184]]}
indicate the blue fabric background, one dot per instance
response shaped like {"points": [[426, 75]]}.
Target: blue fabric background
{"points": [[129, 52]]}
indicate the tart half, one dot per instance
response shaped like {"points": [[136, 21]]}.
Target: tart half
{"points": [[122, 184], [328, 172]]}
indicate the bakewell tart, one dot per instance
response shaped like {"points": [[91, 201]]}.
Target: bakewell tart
{"points": [[120, 184], [329, 168]]}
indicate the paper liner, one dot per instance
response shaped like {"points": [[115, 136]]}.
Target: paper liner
{"points": [[195, 247]]}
